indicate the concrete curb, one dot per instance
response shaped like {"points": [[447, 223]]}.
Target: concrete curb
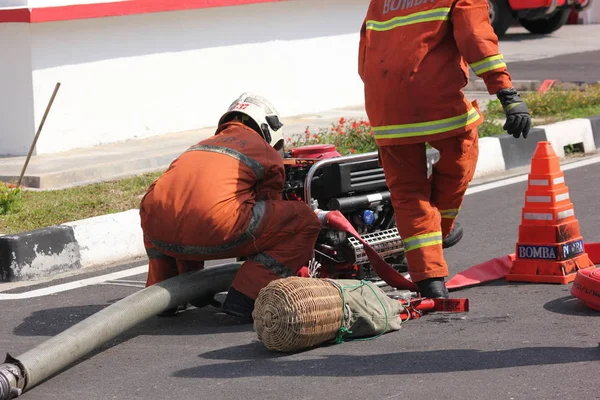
{"points": [[478, 85], [92, 242], [114, 238]]}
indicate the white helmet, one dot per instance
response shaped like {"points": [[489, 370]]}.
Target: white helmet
{"points": [[262, 113]]}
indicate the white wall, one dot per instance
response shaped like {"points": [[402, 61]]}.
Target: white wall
{"points": [[12, 3], [56, 3], [144, 75], [16, 93], [48, 3]]}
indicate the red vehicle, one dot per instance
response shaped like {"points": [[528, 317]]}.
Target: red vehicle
{"points": [[537, 16]]}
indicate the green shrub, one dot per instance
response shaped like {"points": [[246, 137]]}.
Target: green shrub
{"points": [[348, 136], [557, 102], [11, 201], [355, 136]]}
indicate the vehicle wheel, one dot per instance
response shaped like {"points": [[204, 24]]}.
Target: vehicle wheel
{"points": [[500, 16], [547, 25]]}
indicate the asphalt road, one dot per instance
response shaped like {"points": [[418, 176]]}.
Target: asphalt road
{"points": [[576, 67], [519, 341], [571, 54]]}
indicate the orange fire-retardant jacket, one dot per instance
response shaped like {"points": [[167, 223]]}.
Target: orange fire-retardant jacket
{"points": [[413, 60], [205, 198]]}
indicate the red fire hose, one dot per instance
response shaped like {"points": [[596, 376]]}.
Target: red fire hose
{"points": [[336, 220], [586, 287], [414, 307]]}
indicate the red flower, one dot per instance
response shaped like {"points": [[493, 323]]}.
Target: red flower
{"points": [[289, 139], [315, 136], [342, 121], [371, 132], [307, 131], [352, 151], [355, 125]]}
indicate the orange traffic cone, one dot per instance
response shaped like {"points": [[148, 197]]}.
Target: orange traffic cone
{"points": [[550, 248]]}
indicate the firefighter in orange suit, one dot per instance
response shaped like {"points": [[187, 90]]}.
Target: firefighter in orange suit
{"points": [[414, 57], [222, 198]]}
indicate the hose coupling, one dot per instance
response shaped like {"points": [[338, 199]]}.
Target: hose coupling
{"points": [[11, 381]]}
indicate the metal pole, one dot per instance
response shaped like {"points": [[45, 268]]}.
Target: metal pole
{"points": [[37, 135]]}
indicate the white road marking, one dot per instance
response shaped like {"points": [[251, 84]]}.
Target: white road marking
{"points": [[118, 283], [143, 269], [74, 285], [524, 177]]}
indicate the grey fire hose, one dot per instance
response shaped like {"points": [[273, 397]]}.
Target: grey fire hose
{"points": [[22, 373]]}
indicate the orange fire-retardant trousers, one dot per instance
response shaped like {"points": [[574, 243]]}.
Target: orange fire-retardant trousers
{"points": [[425, 208], [283, 244]]}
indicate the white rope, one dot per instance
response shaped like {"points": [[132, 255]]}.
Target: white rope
{"points": [[313, 268]]}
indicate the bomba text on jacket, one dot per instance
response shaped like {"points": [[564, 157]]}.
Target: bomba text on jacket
{"points": [[393, 5]]}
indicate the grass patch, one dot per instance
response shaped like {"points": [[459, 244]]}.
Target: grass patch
{"points": [[491, 127], [46, 208], [27, 210], [11, 200], [556, 104]]}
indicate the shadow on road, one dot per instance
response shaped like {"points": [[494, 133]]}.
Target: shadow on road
{"points": [[521, 37], [255, 363], [203, 321], [570, 305]]}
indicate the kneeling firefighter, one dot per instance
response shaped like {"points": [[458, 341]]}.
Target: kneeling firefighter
{"points": [[222, 198], [413, 60]]}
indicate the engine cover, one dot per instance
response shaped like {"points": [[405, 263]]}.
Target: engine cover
{"points": [[315, 151]]}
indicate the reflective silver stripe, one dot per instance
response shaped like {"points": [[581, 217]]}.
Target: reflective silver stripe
{"points": [[451, 213], [272, 264], [566, 213], [258, 212], [154, 254], [425, 128], [539, 182], [254, 165], [539, 216], [562, 197], [437, 14], [559, 180], [427, 239], [374, 197], [539, 199], [488, 64]]}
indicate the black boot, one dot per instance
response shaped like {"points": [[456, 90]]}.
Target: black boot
{"points": [[238, 304], [453, 237], [433, 288]]}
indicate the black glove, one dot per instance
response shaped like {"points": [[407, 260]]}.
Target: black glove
{"points": [[518, 120], [208, 300]]}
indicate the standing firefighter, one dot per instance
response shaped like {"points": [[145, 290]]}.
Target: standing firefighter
{"points": [[222, 198], [413, 59]]}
